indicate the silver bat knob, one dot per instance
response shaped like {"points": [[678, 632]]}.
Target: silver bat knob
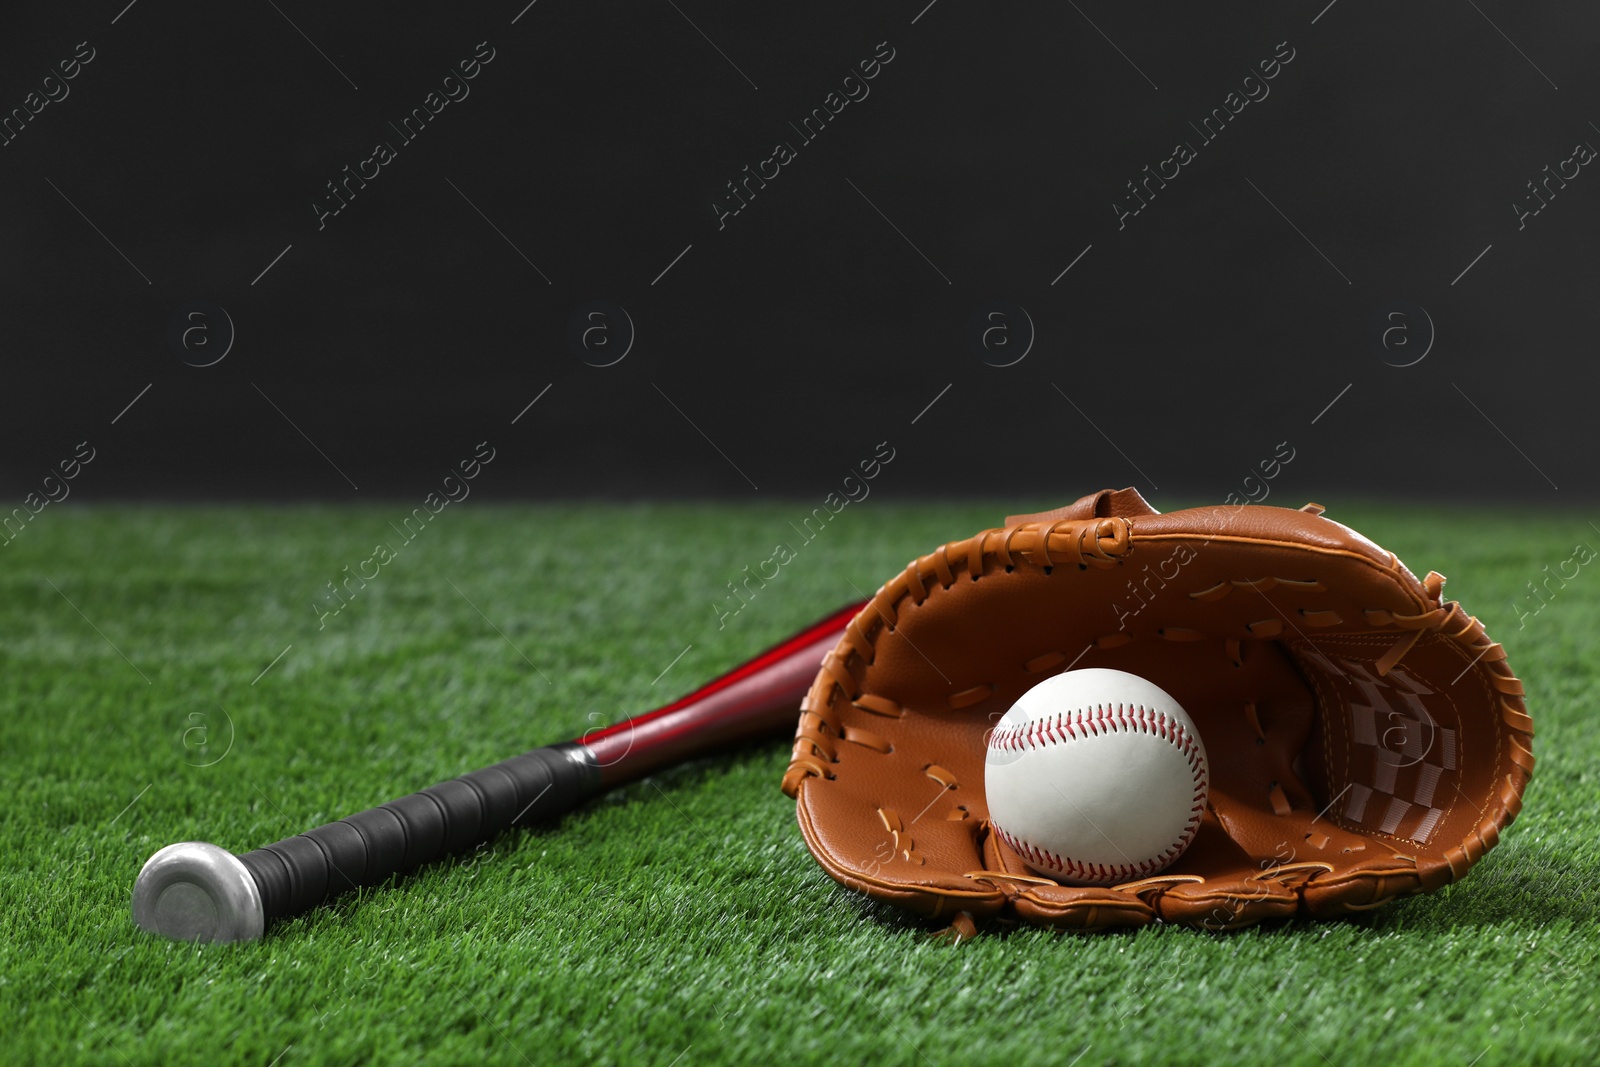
{"points": [[193, 891]]}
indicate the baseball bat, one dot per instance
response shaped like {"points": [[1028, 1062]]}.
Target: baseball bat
{"points": [[195, 891]]}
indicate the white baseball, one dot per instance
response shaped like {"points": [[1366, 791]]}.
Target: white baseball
{"points": [[1096, 777]]}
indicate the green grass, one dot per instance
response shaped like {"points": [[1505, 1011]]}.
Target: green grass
{"points": [[679, 920]]}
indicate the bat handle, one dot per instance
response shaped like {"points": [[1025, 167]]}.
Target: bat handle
{"points": [[195, 891]]}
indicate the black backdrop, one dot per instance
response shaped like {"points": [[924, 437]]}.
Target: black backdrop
{"points": [[1337, 269]]}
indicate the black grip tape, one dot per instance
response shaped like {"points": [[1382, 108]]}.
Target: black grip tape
{"points": [[301, 872]]}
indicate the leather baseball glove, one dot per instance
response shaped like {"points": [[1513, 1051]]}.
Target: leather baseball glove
{"points": [[1366, 739]]}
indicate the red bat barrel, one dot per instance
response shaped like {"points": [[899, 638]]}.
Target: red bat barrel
{"points": [[749, 701]]}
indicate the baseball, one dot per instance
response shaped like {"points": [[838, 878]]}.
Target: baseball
{"points": [[1096, 777]]}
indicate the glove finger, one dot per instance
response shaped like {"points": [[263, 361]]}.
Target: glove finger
{"points": [[1064, 907], [1227, 904], [1281, 890], [1363, 886]]}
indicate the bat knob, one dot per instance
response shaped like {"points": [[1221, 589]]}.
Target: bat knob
{"points": [[193, 891]]}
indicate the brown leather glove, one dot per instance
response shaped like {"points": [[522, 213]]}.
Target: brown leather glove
{"points": [[1366, 740]]}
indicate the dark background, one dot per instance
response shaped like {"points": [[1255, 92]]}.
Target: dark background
{"points": [[1175, 355]]}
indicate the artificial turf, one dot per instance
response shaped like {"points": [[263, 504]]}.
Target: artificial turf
{"points": [[679, 920]]}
